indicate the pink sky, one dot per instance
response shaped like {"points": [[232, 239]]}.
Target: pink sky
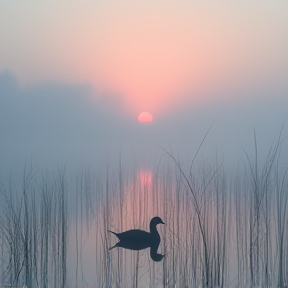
{"points": [[75, 75], [156, 55]]}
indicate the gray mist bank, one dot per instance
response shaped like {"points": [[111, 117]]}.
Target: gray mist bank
{"points": [[61, 124]]}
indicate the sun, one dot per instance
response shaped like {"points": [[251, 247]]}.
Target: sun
{"points": [[145, 117]]}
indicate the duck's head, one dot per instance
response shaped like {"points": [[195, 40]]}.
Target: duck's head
{"points": [[156, 220]]}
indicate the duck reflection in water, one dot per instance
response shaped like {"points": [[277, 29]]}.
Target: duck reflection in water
{"points": [[136, 239]]}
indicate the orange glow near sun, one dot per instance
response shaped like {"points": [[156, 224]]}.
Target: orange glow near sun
{"points": [[145, 117]]}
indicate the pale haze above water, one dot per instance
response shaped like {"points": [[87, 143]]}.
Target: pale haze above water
{"points": [[74, 76]]}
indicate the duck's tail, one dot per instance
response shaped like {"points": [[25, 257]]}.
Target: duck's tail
{"points": [[116, 243], [113, 233], [112, 247]]}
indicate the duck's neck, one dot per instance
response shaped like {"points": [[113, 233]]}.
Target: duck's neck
{"points": [[153, 229]]}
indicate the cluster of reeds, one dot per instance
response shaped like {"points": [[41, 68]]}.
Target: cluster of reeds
{"points": [[223, 229]]}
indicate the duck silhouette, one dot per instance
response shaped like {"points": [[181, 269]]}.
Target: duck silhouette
{"points": [[136, 239]]}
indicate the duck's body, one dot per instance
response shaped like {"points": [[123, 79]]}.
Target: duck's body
{"points": [[136, 239], [133, 239]]}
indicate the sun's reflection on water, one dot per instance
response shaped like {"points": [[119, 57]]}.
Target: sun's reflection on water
{"points": [[129, 204]]}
